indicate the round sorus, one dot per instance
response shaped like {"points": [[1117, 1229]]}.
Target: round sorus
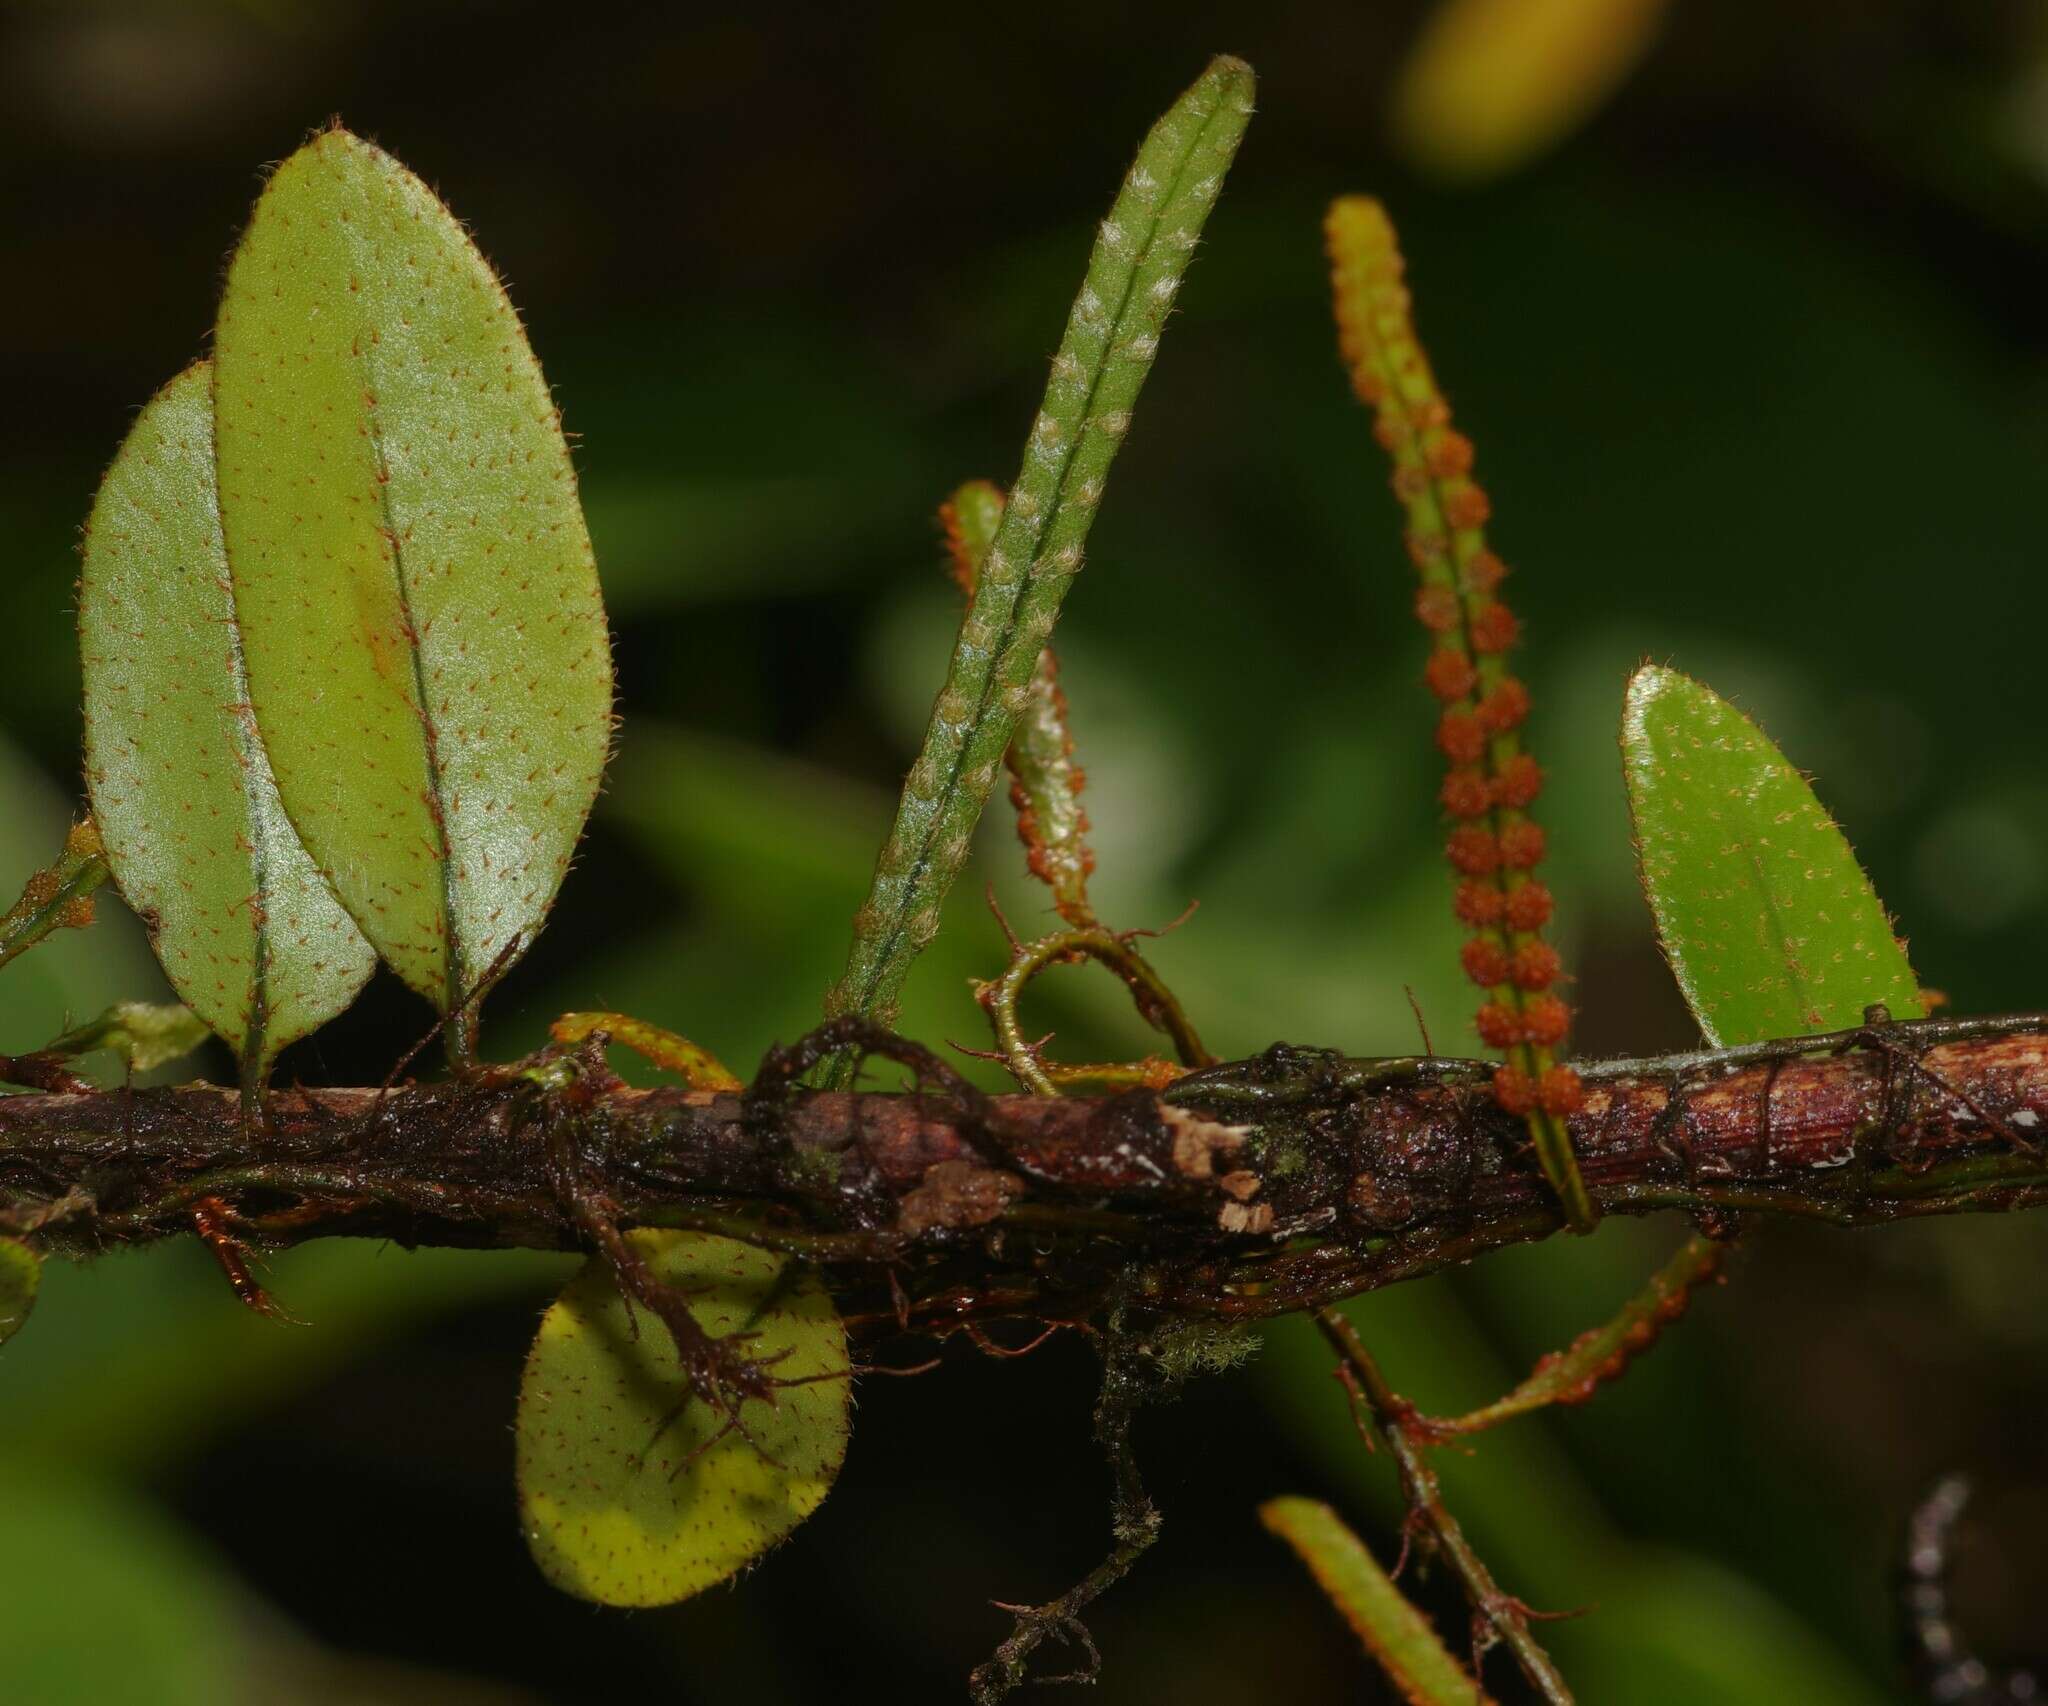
{"points": [[1545, 1019], [1535, 965], [1503, 708], [1449, 673], [1560, 1092], [1436, 608], [1484, 573], [1527, 907], [1425, 549], [1473, 850], [1466, 508], [1521, 845], [1449, 454], [1515, 1090], [1494, 628], [1466, 793], [1460, 738], [1410, 482], [1519, 782], [1485, 961], [1499, 1026], [1478, 904]]}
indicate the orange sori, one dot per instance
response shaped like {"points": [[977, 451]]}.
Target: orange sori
{"points": [[1491, 782]]}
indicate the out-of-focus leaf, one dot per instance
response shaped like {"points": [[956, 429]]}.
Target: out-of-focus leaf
{"points": [[426, 645], [247, 929], [1533, 1514], [1141, 255], [1398, 1636], [21, 1275], [145, 1034], [152, 1338], [1770, 925], [103, 1599], [630, 1495], [1492, 83], [72, 973]]}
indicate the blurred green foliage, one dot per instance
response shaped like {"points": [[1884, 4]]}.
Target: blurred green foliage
{"points": [[1755, 366]]}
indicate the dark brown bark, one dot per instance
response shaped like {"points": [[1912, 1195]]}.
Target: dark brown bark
{"points": [[1258, 1187]]}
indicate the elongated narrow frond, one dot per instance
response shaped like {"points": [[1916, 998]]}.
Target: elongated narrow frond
{"points": [[1397, 1636], [1140, 256]]}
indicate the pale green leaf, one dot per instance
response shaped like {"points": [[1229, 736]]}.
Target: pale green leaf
{"points": [[625, 1501], [1770, 925], [426, 644], [21, 1276], [145, 1034], [248, 932]]}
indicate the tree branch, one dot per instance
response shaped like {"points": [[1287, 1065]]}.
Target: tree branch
{"points": [[1250, 1189]]}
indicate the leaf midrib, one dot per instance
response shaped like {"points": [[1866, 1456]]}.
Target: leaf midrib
{"points": [[921, 865]]}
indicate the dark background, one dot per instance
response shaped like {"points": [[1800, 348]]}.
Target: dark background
{"points": [[1754, 357]]}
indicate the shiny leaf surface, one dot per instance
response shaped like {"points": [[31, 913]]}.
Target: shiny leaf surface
{"points": [[427, 651], [1770, 925]]}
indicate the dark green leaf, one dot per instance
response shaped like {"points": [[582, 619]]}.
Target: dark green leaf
{"points": [[1770, 925]]}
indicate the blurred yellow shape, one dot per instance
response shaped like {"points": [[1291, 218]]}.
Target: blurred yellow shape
{"points": [[1493, 83]]}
